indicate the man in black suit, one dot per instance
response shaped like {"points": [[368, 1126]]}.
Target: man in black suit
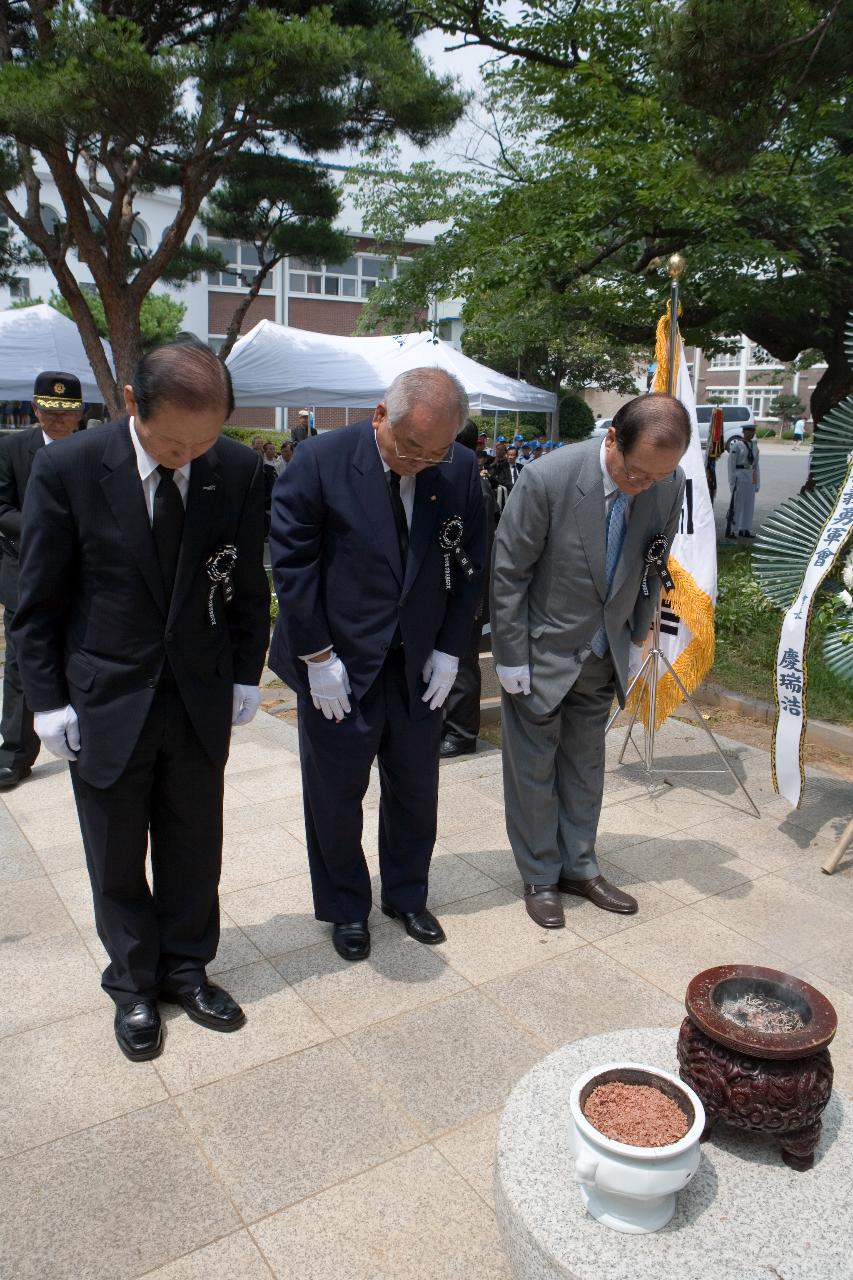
{"points": [[378, 547], [141, 628], [57, 404]]}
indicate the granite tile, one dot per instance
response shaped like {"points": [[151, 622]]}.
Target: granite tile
{"points": [[234, 950], [60, 1201], [684, 868], [45, 825], [75, 889], [283, 1131], [458, 804], [767, 842], [400, 974], [236, 1257], [447, 1062], [259, 857], [671, 950], [471, 1151], [30, 909], [17, 859], [591, 923], [581, 994], [493, 934], [278, 1023], [65, 1077], [776, 914], [63, 857], [414, 1216], [46, 979]]}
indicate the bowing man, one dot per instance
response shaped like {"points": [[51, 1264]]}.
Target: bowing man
{"points": [[141, 627], [378, 546]]}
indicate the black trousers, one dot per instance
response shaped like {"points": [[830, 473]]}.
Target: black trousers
{"points": [[462, 708], [20, 742], [336, 761], [170, 795]]}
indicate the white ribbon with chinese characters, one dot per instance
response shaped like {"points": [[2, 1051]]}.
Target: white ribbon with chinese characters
{"points": [[791, 673]]}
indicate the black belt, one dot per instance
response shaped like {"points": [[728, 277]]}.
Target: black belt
{"points": [[745, 467]]}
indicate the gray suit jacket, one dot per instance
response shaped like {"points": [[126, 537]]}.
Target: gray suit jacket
{"points": [[549, 589]]}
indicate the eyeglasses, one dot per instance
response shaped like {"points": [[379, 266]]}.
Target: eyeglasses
{"points": [[447, 456], [641, 477]]}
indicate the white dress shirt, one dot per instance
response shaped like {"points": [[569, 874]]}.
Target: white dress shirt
{"points": [[407, 487], [47, 439], [150, 477], [611, 488]]}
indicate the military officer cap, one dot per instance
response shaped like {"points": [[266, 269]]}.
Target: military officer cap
{"points": [[57, 392]]}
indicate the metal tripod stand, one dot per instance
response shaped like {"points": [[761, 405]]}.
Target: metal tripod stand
{"points": [[654, 664]]}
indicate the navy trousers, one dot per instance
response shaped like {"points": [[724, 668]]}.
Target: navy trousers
{"points": [[336, 761]]}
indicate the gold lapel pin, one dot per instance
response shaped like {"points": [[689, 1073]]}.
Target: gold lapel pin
{"points": [[432, 497]]}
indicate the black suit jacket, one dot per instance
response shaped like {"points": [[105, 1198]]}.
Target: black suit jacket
{"points": [[336, 561], [93, 625], [16, 461]]}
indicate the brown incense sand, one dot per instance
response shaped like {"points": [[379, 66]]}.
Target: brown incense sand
{"points": [[635, 1113]]}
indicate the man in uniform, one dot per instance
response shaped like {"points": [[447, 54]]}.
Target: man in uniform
{"points": [[567, 603], [142, 624], [744, 482], [57, 404]]}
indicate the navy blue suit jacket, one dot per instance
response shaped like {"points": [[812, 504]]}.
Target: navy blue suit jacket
{"points": [[336, 561]]}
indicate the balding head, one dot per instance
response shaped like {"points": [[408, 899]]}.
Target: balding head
{"points": [[417, 422], [179, 401], [646, 441]]}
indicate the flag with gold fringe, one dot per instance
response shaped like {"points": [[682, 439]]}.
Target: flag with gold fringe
{"points": [[687, 612]]}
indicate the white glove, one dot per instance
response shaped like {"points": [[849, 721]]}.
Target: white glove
{"points": [[59, 731], [439, 674], [635, 660], [247, 699], [514, 679], [329, 687]]}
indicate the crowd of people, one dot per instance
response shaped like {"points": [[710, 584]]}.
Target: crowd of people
{"points": [[137, 627]]}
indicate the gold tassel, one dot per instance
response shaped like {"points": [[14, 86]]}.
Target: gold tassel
{"points": [[662, 352], [696, 610]]}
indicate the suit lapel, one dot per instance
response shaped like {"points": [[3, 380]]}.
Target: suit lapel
{"points": [[123, 491], [205, 499], [371, 488], [428, 489], [589, 508]]}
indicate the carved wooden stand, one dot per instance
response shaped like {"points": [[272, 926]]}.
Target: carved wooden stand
{"points": [[782, 1098]]}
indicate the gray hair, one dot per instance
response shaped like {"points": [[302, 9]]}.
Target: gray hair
{"points": [[429, 384]]}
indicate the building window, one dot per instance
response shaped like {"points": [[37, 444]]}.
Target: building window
{"points": [[725, 360], [760, 357], [243, 266], [353, 279], [758, 399], [721, 395], [139, 234], [19, 288], [50, 219]]}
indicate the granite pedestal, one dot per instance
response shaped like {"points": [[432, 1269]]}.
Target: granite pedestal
{"points": [[744, 1216]]}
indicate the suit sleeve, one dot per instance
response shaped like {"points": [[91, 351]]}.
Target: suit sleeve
{"points": [[646, 605], [462, 603], [47, 576], [296, 548], [249, 608], [10, 510], [519, 542]]}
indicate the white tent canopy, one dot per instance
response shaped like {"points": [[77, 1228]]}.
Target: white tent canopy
{"points": [[35, 339], [277, 365]]}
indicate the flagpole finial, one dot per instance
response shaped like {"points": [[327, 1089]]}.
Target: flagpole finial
{"points": [[675, 266]]}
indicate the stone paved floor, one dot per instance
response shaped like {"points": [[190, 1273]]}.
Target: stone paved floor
{"points": [[348, 1130]]}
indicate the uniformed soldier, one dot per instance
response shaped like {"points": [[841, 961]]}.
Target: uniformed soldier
{"points": [[744, 482]]}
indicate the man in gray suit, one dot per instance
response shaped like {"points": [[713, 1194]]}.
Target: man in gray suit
{"points": [[568, 612]]}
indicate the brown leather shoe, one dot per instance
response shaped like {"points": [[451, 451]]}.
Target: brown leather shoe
{"points": [[601, 893], [544, 906]]}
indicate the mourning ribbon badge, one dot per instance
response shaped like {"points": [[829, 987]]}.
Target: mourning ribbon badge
{"points": [[219, 568], [655, 558], [450, 541]]}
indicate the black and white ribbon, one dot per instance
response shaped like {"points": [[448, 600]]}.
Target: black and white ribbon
{"points": [[450, 540], [219, 568], [655, 558]]}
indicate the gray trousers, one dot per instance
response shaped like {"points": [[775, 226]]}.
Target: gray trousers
{"points": [[553, 768], [744, 502]]}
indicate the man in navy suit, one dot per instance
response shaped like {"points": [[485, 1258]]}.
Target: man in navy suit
{"points": [[378, 548]]}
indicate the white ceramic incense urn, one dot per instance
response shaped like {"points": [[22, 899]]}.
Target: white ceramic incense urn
{"points": [[625, 1187]]}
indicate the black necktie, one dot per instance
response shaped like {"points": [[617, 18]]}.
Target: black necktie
{"points": [[399, 517], [168, 526]]}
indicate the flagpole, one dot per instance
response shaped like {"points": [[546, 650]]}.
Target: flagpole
{"points": [[656, 660]]}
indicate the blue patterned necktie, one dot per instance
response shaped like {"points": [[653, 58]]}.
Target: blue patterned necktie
{"points": [[615, 538]]}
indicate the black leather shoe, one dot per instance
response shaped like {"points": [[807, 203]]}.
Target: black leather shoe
{"points": [[452, 746], [10, 777], [138, 1030], [210, 1006], [420, 925], [351, 941]]}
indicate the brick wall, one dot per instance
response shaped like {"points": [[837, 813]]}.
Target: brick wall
{"points": [[221, 307]]}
